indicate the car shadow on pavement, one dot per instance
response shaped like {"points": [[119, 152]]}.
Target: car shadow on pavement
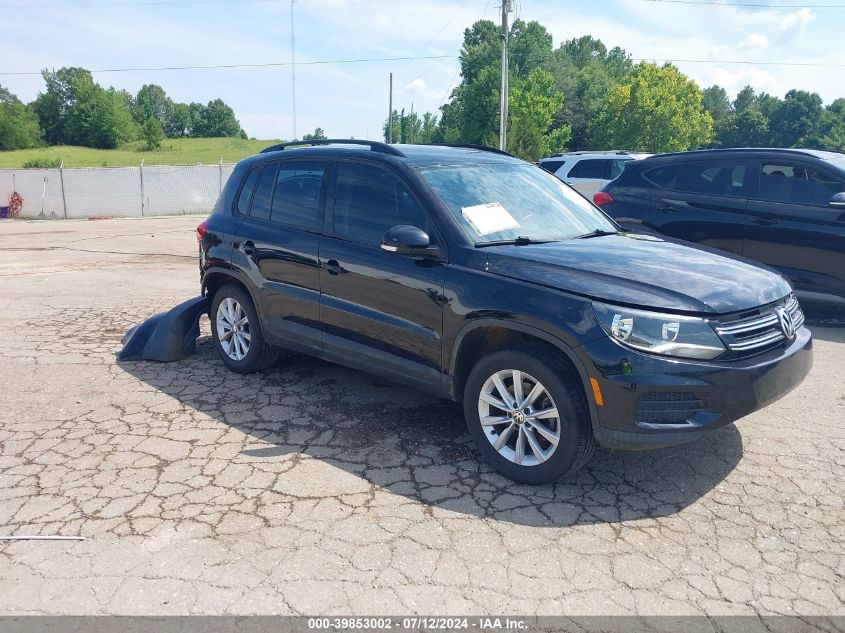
{"points": [[826, 320], [416, 445]]}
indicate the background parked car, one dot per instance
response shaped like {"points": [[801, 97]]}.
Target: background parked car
{"points": [[782, 207], [588, 172]]}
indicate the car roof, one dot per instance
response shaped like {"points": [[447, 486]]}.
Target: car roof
{"points": [[585, 153], [412, 155], [703, 153]]}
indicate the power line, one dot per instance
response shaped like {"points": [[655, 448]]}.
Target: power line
{"points": [[393, 59], [158, 3], [753, 5], [124, 5], [736, 61], [264, 65]]}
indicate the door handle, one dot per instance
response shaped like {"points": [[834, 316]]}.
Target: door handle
{"points": [[667, 209], [763, 222], [249, 247], [332, 266]]}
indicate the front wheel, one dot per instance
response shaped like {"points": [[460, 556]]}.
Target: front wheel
{"points": [[237, 332], [527, 413]]}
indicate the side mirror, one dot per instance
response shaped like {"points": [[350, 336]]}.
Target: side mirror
{"points": [[838, 200], [406, 240]]}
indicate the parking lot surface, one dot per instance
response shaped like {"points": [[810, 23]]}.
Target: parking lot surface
{"points": [[312, 488]]}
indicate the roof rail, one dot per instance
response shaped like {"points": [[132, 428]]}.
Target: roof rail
{"points": [[483, 148], [384, 148]]}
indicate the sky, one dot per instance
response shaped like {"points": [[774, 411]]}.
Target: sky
{"points": [[351, 99]]}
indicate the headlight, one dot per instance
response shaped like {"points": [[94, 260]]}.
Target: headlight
{"points": [[669, 334]]}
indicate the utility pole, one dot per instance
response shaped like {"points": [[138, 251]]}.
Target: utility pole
{"points": [[503, 105], [293, 69], [390, 112]]}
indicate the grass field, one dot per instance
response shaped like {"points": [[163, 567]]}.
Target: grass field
{"points": [[174, 151]]}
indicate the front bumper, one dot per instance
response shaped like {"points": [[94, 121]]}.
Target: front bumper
{"points": [[652, 401]]}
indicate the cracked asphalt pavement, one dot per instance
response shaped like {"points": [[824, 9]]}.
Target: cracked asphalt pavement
{"points": [[312, 488]]}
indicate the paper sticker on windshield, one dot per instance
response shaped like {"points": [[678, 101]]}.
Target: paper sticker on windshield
{"points": [[489, 218]]}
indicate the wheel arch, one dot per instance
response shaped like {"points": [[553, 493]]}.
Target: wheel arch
{"points": [[215, 278], [473, 341]]}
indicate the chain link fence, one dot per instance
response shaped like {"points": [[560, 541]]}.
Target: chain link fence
{"points": [[115, 191]]}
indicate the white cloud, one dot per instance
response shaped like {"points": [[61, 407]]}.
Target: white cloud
{"points": [[734, 80], [755, 41], [417, 86]]}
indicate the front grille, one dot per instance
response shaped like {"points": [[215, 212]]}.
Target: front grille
{"points": [[761, 330], [666, 407]]}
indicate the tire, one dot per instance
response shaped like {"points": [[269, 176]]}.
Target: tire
{"points": [[257, 355], [556, 446]]}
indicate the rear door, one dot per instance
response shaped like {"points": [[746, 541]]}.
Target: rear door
{"points": [[380, 311], [702, 201], [278, 244], [793, 226]]}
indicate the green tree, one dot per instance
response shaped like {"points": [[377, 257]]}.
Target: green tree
{"points": [[716, 102], [18, 124], [111, 123], [744, 99], [795, 122], [532, 105], [747, 128], [318, 134], [586, 72], [179, 123], [658, 109], [198, 125], [153, 133], [472, 114], [833, 128], [410, 128], [53, 107], [152, 101], [215, 119]]}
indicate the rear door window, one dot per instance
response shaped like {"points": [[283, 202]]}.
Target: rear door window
{"points": [[260, 208], [591, 168], [795, 183], [296, 197], [713, 178]]}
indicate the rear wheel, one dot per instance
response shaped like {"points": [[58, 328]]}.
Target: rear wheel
{"points": [[527, 413], [237, 334]]}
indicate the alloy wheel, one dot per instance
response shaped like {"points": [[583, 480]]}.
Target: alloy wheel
{"points": [[519, 417], [233, 329]]}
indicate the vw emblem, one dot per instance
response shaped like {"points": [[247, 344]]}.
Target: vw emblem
{"points": [[786, 324]]}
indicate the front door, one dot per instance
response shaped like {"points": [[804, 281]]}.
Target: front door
{"points": [[794, 228], [380, 311]]}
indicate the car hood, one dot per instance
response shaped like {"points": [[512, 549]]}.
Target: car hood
{"points": [[643, 270]]}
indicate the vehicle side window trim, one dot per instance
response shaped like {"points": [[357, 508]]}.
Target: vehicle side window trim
{"points": [[237, 197], [328, 180], [758, 180], [328, 218], [746, 190]]}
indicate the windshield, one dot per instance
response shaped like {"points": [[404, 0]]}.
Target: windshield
{"points": [[503, 201]]}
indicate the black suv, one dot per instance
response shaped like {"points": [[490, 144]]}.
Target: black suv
{"points": [[482, 278], [782, 207]]}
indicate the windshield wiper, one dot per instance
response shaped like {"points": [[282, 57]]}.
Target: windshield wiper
{"points": [[596, 233], [517, 241]]}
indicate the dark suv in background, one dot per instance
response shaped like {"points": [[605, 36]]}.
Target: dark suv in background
{"points": [[483, 279], [782, 207]]}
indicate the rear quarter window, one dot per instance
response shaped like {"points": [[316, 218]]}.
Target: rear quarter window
{"points": [[245, 196], [551, 166]]}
